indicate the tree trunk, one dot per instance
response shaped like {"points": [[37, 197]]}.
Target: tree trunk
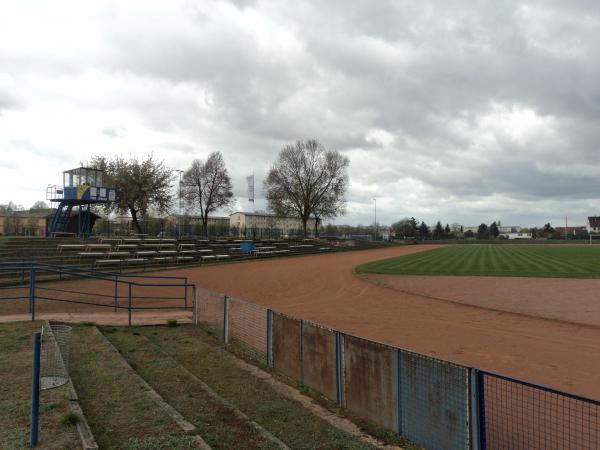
{"points": [[304, 222], [134, 219], [205, 225]]}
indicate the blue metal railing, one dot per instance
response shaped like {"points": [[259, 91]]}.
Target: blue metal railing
{"points": [[34, 291]]}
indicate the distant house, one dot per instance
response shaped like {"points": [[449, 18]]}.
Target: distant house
{"points": [[593, 224], [24, 223], [518, 235], [259, 223]]}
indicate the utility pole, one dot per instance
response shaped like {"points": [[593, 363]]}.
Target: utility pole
{"points": [[180, 205]]}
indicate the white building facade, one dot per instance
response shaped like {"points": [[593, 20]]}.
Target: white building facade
{"points": [[263, 224]]}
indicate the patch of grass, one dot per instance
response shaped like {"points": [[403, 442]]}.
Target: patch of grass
{"points": [[15, 395], [172, 323], [581, 261], [285, 418], [161, 443], [3, 240], [384, 435], [70, 418], [117, 409], [50, 406], [215, 423]]}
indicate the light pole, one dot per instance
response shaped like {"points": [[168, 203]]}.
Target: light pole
{"points": [[375, 199], [179, 217]]}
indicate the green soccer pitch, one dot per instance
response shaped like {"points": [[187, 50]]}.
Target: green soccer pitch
{"points": [[495, 260]]}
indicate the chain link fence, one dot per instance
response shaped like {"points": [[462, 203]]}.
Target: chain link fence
{"points": [[248, 328], [520, 415], [55, 356], [434, 403]]}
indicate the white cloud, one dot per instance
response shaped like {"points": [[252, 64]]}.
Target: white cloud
{"points": [[449, 111]]}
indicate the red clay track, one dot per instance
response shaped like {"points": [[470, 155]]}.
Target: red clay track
{"points": [[324, 289]]}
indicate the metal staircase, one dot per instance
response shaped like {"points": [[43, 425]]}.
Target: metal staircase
{"points": [[60, 220]]}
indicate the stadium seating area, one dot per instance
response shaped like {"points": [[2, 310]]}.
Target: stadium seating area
{"points": [[117, 254]]}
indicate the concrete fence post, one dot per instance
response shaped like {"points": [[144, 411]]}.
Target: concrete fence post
{"points": [[269, 338], [339, 370], [399, 409], [476, 410], [226, 320]]}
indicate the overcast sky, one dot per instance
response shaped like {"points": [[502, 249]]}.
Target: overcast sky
{"points": [[460, 111]]}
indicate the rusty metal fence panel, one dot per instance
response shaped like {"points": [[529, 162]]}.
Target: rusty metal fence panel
{"points": [[520, 415], [287, 345], [319, 359], [248, 327], [371, 381], [211, 309], [431, 402], [434, 402]]}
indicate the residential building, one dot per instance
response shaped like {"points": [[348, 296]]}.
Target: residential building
{"points": [[262, 224], [24, 223], [593, 224]]}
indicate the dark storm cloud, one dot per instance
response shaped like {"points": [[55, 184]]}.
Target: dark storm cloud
{"points": [[449, 109]]}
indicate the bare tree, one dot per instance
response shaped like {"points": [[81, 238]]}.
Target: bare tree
{"points": [[308, 180], [142, 184], [207, 186]]}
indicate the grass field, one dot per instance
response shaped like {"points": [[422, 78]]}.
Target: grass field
{"points": [[178, 362], [495, 260]]}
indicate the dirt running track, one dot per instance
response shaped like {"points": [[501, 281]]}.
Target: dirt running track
{"points": [[324, 289]]}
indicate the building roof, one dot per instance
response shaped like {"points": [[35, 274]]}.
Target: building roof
{"points": [[254, 214], [594, 221], [275, 216]]}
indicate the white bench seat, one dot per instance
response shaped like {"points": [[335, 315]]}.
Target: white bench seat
{"points": [[136, 260], [106, 262]]}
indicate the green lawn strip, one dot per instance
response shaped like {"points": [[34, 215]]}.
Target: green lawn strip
{"points": [[215, 422], [242, 352], [495, 260], [118, 410], [15, 396], [285, 418], [3, 240]]}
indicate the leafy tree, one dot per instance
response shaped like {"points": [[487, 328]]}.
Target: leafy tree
{"points": [[423, 230], [39, 205], [438, 230], [405, 227], [143, 184], [11, 207], [483, 232], [469, 234], [307, 180], [547, 231], [493, 230], [207, 186], [447, 230]]}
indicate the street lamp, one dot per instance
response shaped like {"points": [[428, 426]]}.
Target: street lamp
{"points": [[180, 206], [375, 199]]}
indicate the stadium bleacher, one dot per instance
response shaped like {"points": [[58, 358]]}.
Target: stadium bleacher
{"points": [[125, 253]]}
